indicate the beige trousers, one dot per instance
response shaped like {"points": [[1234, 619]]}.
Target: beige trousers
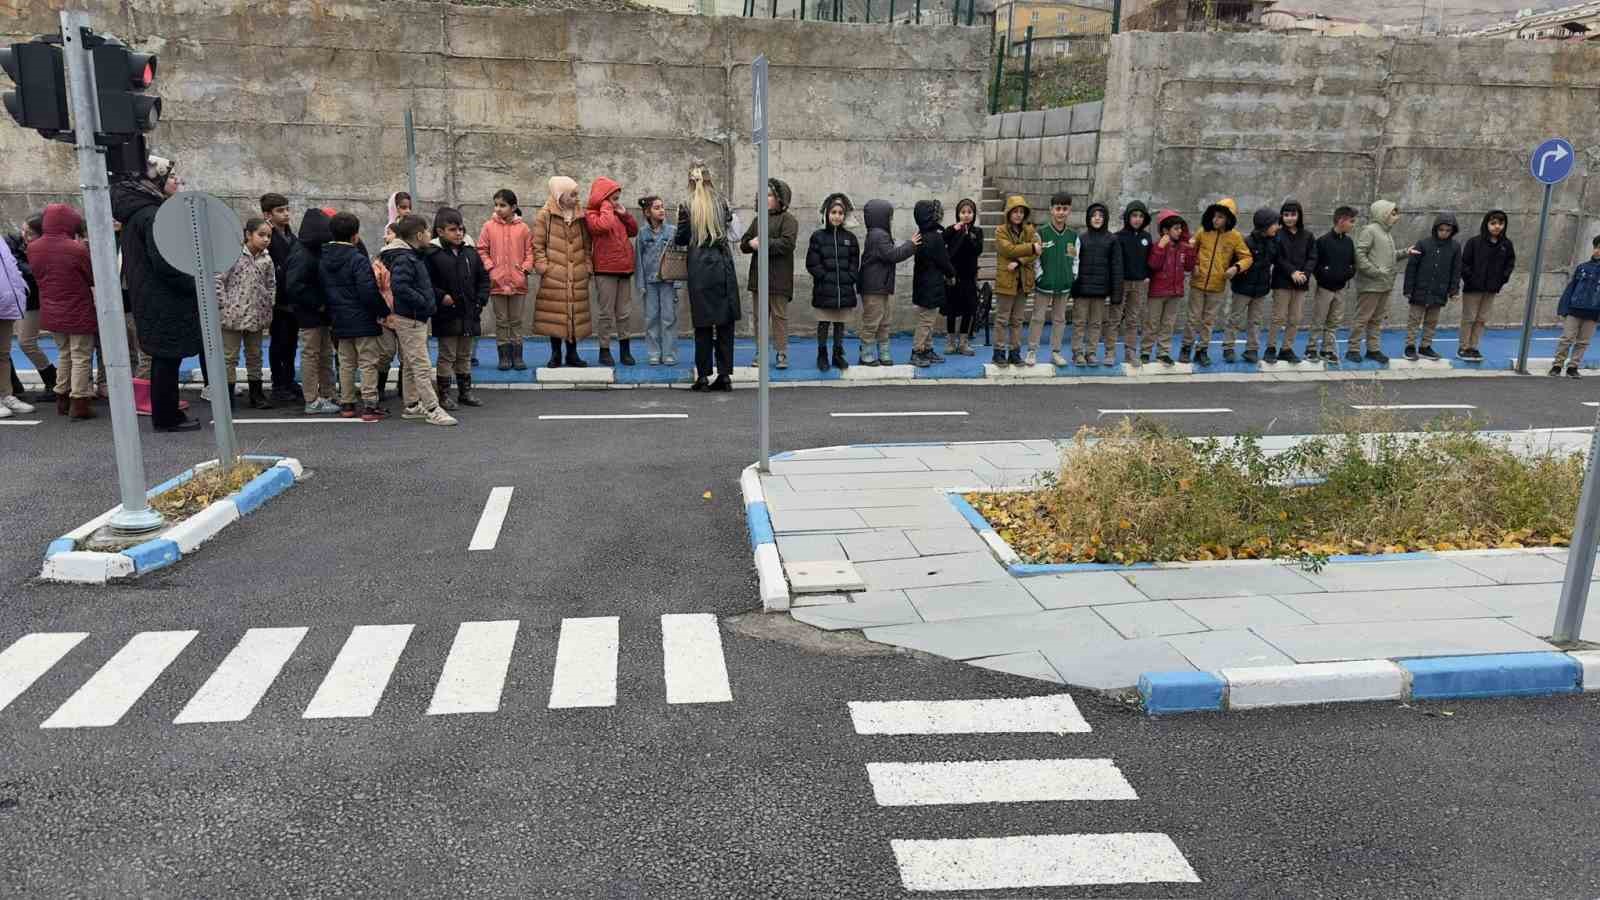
{"points": [[1007, 320], [922, 338], [1475, 311], [1160, 321], [614, 294], [1202, 320], [316, 364], [1327, 308], [1288, 304], [1088, 318], [74, 365], [1575, 336], [1053, 307], [416, 370], [1126, 318], [875, 315], [251, 340], [1372, 307], [1423, 318], [507, 316], [455, 355], [1245, 316], [359, 354]]}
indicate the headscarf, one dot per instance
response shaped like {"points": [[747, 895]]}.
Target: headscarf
{"points": [[560, 184]]}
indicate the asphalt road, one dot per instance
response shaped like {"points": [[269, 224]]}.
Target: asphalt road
{"points": [[763, 796]]}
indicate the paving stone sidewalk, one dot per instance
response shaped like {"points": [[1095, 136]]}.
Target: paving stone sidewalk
{"points": [[877, 521]]}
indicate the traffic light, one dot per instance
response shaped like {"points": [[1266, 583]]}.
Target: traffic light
{"points": [[119, 75], [40, 100]]}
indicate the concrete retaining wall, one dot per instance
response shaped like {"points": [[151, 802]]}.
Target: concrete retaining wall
{"points": [[308, 99], [1040, 152]]}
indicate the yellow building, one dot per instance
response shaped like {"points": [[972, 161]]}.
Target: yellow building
{"points": [[1050, 18]]}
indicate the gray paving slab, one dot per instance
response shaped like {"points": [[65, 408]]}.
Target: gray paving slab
{"points": [[941, 541], [866, 610], [1541, 624], [968, 601], [789, 520], [803, 466], [930, 571], [1245, 580], [1389, 576], [819, 599], [940, 458], [841, 453], [1109, 667], [862, 481], [1153, 618], [1241, 612], [1389, 640], [938, 514], [1082, 589], [870, 546], [803, 547], [916, 450], [856, 499], [1386, 606], [995, 635], [1514, 568], [1517, 599], [822, 577], [1560, 556], [1209, 651], [1028, 664]]}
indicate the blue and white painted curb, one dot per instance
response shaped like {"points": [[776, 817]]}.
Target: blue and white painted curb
{"points": [[764, 544], [64, 562], [1539, 674]]}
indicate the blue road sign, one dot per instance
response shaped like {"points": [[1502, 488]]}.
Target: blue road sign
{"points": [[1552, 161]]}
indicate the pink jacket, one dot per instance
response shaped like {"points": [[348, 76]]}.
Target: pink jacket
{"points": [[506, 249]]}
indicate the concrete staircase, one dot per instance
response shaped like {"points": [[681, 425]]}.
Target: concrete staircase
{"points": [[991, 212]]}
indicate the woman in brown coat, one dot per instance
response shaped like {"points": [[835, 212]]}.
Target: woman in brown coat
{"points": [[561, 257]]}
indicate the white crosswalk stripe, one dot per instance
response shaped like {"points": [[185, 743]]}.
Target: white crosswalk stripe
{"points": [[112, 691], [1043, 860], [360, 673], [997, 781], [692, 654], [586, 664], [1052, 714], [234, 689], [31, 656], [475, 671]]}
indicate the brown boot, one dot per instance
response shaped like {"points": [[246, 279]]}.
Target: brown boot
{"points": [[63, 404], [81, 409]]}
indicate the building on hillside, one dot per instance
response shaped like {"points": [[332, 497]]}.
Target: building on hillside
{"points": [[1285, 20], [1580, 22], [1050, 20], [1194, 15]]}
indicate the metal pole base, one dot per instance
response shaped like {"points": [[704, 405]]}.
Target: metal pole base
{"points": [[141, 521]]}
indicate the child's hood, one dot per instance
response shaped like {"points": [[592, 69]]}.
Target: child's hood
{"points": [[835, 197], [602, 188], [1444, 219], [780, 189], [1164, 221], [1227, 207], [61, 220], [1016, 201], [1483, 227], [1264, 218], [1130, 209], [1105, 217], [1380, 213], [314, 230], [878, 214], [928, 214]]}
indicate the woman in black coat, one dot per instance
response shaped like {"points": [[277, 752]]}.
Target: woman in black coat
{"points": [[964, 242], [703, 225]]}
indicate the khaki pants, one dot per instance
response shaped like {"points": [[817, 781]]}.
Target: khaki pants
{"points": [[1372, 307], [316, 364], [1475, 310], [1425, 318], [27, 331], [614, 294], [1287, 306], [922, 338], [1088, 318], [507, 316], [416, 371], [455, 355], [1202, 320], [1244, 314], [1575, 336], [74, 366], [1126, 318], [1327, 308], [1053, 307], [1160, 321], [1007, 320], [778, 319], [874, 327], [252, 353], [359, 353]]}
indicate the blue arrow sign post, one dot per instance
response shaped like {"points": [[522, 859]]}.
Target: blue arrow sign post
{"points": [[1550, 164]]}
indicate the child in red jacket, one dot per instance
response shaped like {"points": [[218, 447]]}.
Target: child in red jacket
{"points": [[612, 229], [66, 306], [1171, 257]]}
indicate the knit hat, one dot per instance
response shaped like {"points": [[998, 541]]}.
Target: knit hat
{"points": [[157, 168]]}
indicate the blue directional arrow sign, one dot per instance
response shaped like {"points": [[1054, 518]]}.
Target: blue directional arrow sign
{"points": [[1552, 161]]}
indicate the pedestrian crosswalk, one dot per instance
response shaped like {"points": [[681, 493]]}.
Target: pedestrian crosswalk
{"points": [[1009, 861], [472, 678]]}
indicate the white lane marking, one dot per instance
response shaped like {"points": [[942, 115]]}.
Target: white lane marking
{"points": [[308, 420], [239, 683], [1591, 403], [119, 684], [355, 683], [691, 648], [1045, 860], [586, 663], [1164, 412], [475, 671], [615, 416], [1049, 714], [897, 415], [31, 656], [20, 421], [997, 781], [487, 534], [1412, 406]]}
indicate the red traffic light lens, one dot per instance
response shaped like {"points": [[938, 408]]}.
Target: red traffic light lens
{"points": [[148, 76]]}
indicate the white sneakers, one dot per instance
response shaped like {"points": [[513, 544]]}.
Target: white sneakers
{"points": [[435, 416], [321, 407], [10, 404]]}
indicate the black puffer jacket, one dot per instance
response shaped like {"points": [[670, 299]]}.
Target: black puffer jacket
{"points": [[409, 281], [1135, 244], [1435, 276], [933, 271], [1487, 265], [456, 271], [1099, 259], [1336, 261], [1256, 281], [965, 249], [1296, 250], [834, 261], [165, 306], [881, 254], [302, 282], [354, 305]]}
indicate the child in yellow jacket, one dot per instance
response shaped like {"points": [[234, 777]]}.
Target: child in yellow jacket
{"points": [[1220, 254], [1017, 248]]}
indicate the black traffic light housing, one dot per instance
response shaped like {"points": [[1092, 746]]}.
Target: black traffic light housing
{"points": [[120, 74], [40, 100]]}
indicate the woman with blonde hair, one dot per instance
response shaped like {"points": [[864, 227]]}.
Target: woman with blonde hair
{"points": [[703, 226], [561, 257]]}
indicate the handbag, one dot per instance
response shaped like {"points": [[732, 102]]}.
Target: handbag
{"points": [[674, 264]]}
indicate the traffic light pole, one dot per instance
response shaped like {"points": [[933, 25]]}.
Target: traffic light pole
{"points": [[135, 516]]}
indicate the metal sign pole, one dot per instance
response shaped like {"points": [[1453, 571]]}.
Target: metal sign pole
{"points": [[135, 516], [1580, 551], [758, 71], [411, 157], [211, 330], [1533, 283]]}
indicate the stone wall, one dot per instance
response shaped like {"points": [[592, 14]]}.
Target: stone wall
{"points": [[1040, 152], [307, 98]]}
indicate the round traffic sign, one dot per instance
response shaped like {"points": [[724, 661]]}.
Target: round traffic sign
{"points": [[198, 233], [1552, 161]]}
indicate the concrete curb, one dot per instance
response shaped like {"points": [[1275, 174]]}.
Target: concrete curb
{"points": [[1534, 674], [763, 544], [64, 562]]}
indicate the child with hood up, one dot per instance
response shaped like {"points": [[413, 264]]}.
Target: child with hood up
{"points": [[562, 258], [611, 232], [1375, 271], [1220, 255], [1294, 263], [1126, 317], [932, 275], [964, 242], [1098, 284], [834, 261], [1433, 276], [1170, 259], [1017, 247], [879, 256], [1486, 265], [1251, 287], [783, 234]]}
